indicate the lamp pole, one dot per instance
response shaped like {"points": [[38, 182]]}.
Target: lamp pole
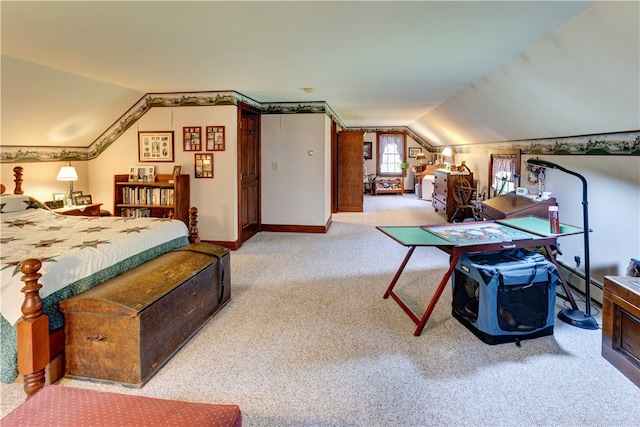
{"points": [[577, 317]]}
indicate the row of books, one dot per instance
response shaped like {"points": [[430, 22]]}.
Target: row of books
{"points": [[135, 213], [147, 196]]}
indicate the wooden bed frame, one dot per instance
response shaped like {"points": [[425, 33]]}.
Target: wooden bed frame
{"points": [[37, 348]]}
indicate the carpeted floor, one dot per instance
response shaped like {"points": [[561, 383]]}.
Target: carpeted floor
{"points": [[308, 340]]}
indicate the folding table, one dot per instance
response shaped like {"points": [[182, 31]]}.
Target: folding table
{"points": [[483, 236]]}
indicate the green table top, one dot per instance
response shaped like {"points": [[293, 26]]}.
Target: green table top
{"points": [[464, 234], [539, 226], [413, 236]]}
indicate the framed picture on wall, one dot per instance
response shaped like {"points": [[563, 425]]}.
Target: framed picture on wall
{"points": [[368, 150], [215, 138], [155, 146], [414, 151], [191, 140], [203, 165]]}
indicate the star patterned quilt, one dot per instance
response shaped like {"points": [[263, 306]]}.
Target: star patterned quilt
{"points": [[76, 254]]}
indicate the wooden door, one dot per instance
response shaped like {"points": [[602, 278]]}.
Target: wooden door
{"points": [[249, 170], [350, 171]]}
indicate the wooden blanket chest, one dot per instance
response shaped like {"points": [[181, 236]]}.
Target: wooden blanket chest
{"points": [[126, 328], [621, 325]]}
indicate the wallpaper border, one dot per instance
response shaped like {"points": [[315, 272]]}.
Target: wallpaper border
{"points": [[615, 143]]}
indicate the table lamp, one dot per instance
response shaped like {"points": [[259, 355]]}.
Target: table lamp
{"points": [[421, 157], [68, 173], [577, 317]]}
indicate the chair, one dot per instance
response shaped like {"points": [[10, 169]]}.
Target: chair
{"points": [[369, 184]]}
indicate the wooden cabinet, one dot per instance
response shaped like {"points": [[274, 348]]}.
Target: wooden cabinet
{"points": [[350, 170], [621, 325], [87, 210], [167, 197], [389, 185], [511, 205], [445, 185]]}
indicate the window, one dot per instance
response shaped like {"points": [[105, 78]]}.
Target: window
{"points": [[391, 153], [504, 172]]}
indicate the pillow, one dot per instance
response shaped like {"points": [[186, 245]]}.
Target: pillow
{"points": [[18, 202]]}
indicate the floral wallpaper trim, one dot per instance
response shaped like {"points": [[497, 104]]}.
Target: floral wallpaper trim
{"points": [[615, 143], [11, 154], [608, 143]]}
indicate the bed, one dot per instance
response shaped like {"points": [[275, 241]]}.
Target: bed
{"points": [[49, 257]]}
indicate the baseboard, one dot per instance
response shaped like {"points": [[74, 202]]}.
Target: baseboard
{"points": [[576, 280]]}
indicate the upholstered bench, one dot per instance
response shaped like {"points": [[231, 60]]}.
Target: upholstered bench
{"points": [[67, 406]]}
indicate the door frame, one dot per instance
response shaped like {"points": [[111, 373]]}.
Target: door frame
{"points": [[242, 107]]}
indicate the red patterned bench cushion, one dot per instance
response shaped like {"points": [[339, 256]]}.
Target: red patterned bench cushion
{"points": [[66, 406]]}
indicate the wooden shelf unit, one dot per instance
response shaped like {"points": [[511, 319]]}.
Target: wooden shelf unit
{"points": [[162, 198]]}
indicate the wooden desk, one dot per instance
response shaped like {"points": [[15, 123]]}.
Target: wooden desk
{"points": [[525, 232], [511, 205], [86, 210]]}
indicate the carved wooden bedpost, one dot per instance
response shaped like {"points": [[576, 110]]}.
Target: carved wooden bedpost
{"points": [[193, 225], [17, 172], [33, 330]]}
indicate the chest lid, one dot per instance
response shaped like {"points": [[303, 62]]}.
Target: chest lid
{"points": [[131, 292]]}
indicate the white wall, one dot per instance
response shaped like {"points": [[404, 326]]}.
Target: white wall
{"points": [[40, 179], [582, 79], [295, 184], [216, 199], [613, 197]]}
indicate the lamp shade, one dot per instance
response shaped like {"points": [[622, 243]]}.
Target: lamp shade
{"points": [[67, 173], [421, 156], [447, 152]]}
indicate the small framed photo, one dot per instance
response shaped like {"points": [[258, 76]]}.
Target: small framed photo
{"points": [[414, 151], [176, 170], [142, 173], [60, 196], [203, 165], [215, 138], [368, 150], [191, 140], [155, 146], [55, 204], [75, 194], [82, 200]]}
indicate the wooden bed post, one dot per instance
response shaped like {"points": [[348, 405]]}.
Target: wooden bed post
{"points": [[17, 172], [33, 330], [193, 225]]}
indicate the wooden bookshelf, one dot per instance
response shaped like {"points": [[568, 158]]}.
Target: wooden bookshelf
{"points": [[166, 197]]}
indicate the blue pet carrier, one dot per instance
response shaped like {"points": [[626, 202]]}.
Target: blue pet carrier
{"points": [[505, 296]]}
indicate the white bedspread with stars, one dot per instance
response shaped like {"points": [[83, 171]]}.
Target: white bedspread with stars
{"points": [[72, 248]]}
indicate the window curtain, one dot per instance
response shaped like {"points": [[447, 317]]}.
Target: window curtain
{"points": [[390, 153], [504, 169]]}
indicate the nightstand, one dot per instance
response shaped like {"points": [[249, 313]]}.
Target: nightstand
{"points": [[86, 210]]}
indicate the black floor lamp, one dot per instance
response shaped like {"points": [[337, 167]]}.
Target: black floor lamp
{"points": [[570, 316]]}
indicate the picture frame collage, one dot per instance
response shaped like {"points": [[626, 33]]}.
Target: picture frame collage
{"points": [[214, 140], [155, 146]]}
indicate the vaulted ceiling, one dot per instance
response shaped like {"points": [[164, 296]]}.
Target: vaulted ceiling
{"points": [[71, 69]]}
